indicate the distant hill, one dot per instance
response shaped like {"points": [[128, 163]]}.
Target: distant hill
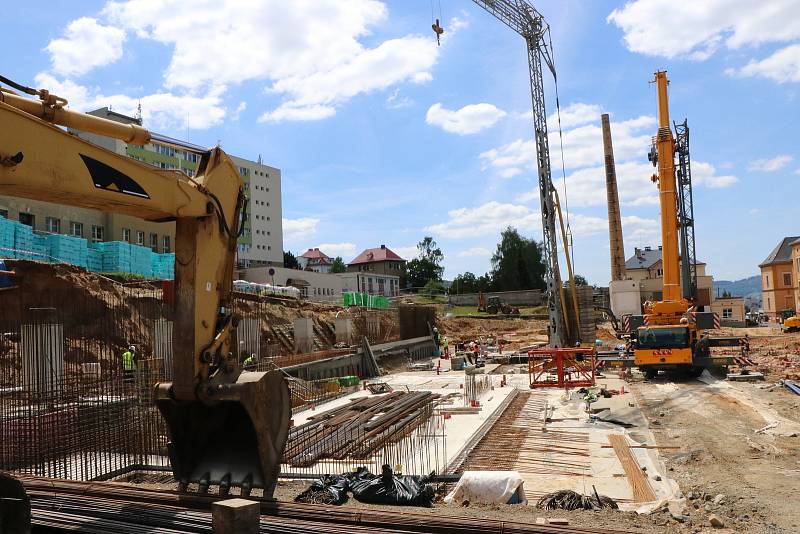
{"points": [[749, 288]]}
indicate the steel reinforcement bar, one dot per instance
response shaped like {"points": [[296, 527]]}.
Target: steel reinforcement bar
{"points": [[104, 501]]}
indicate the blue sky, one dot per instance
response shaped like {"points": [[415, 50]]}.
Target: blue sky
{"points": [[383, 137]]}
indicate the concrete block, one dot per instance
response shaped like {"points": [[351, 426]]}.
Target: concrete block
{"points": [[343, 326], [303, 335], [235, 516]]}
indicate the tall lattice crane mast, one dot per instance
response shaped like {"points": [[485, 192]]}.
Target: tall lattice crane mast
{"points": [[524, 19]]}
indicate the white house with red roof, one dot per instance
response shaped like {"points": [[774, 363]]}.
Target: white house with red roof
{"points": [[315, 260], [375, 271]]}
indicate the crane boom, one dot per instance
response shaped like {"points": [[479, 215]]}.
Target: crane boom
{"points": [[665, 145], [525, 20]]}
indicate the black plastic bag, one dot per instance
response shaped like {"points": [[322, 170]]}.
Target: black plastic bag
{"points": [[329, 489], [389, 488]]}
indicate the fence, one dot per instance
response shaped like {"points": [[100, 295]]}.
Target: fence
{"points": [[528, 297]]}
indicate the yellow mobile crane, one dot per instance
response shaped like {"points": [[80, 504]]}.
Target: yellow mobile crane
{"points": [[226, 427], [672, 335]]}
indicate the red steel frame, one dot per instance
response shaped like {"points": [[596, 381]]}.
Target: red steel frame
{"points": [[574, 367]]}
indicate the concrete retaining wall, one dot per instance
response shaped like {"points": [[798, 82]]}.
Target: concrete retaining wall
{"points": [[528, 297]]}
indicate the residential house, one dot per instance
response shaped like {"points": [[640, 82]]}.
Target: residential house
{"points": [[779, 278], [646, 268], [730, 310], [315, 260], [796, 269], [375, 271]]}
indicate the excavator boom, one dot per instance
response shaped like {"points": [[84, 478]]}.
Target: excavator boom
{"points": [[226, 427]]}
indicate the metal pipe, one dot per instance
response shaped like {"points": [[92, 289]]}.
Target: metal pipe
{"points": [[130, 133]]}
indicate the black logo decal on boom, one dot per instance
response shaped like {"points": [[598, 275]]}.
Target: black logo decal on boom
{"points": [[108, 178]]}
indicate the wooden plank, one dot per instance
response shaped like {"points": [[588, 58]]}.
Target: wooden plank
{"points": [[642, 491]]}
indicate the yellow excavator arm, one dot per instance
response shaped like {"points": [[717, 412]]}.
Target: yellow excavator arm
{"points": [[226, 427]]}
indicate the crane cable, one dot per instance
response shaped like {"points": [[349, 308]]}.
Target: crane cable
{"points": [[571, 251]]}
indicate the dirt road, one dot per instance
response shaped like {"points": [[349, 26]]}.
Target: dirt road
{"points": [[714, 423]]}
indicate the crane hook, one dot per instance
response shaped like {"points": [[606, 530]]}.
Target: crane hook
{"points": [[438, 30]]}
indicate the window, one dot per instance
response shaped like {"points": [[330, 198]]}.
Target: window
{"points": [[126, 235], [767, 284], [787, 279], [660, 272], [154, 242], [76, 229], [27, 218], [52, 225], [663, 338], [140, 237], [243, 171], [727, 313], [98, 233]]}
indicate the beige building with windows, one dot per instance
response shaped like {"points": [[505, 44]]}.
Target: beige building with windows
{"points": [[779, 278], [730, 310], [260, 244], [646, 268]]}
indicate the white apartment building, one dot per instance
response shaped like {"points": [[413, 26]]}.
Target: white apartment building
{"points": [[260, 244]]}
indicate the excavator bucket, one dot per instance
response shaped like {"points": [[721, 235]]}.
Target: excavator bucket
{"points": [[237, 440]]}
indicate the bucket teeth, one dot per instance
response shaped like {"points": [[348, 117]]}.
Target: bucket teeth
{"points": [[235, 441]]}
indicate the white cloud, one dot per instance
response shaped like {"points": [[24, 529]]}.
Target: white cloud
{"points": [[583, 146], [488, 219], [289, 112], [162, 111], [475, 252], [86, 45], [698, 29], [782, 66], [467, 120], [406, 59], [770, 164], [295, 229], [705, 174], [397, 101], [797, 172], [408, 252], [754, 211], [639, 231], [346, 250], [575, 114], [309, 52]]}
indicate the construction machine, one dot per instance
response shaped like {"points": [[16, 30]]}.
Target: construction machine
{"points": [[791, 324], [496, 305], [226, 427], [672, 336]]}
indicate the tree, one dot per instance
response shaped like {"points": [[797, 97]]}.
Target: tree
{"points": [[338, 265], [432, 289], [290, 260], [464, 283], [426, 267], [580, 280], [517, 263]]}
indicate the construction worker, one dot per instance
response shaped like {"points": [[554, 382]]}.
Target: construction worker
{"points": [[129, 364], [446, 345], [745, 345]]}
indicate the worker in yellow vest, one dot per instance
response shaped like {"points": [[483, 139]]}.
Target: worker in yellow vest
{"points": [[129, 364]]}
